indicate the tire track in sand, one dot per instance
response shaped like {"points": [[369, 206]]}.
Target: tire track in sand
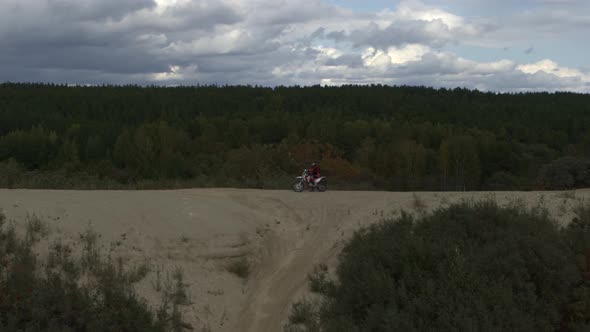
{"points": [[283, 277]]}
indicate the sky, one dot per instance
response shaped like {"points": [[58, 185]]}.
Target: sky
{"points": [[501, 45]]}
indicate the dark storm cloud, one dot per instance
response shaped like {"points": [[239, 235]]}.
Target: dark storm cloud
{"points": [[348, 60], [84, 10]]}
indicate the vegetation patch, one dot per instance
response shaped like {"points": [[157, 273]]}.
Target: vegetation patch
{"points": [[63, 292], [304, 317], [241, 267], [474, 266]]}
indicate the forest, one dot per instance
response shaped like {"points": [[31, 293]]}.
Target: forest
{"points": [[372, 137]]}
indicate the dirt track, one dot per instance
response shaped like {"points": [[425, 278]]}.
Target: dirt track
{"points": [[283, 234]]}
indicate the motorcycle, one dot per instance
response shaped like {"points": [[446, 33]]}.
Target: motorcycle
{"points": [[303, 182]]}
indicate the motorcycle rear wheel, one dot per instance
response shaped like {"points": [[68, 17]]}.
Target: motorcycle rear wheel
{"points": [[322, 186]]}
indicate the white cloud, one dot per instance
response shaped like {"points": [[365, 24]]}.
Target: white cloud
{"points": [[550, 67], [415, 10], [176, 73], [411, 52]]}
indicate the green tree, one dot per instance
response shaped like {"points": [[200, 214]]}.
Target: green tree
{"points": [[465, 165], [95, 148], [33, 148]]}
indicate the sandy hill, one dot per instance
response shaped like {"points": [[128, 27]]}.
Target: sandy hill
{"points": [[283, 234]]}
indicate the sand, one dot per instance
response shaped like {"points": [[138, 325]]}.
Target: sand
{"points": [[283, 234]]}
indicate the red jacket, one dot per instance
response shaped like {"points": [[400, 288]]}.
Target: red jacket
{"points": [[314, 171]]}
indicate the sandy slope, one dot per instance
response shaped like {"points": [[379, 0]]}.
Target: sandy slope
{"points": [[284, 234]]}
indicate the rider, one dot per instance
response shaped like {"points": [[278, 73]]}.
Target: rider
{"points": [[314, 173]]}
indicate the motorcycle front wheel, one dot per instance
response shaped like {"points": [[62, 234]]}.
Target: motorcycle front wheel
{"points": [[298, 186]]}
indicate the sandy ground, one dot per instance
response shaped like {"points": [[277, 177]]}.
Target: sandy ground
{"points": [[282, 233]]}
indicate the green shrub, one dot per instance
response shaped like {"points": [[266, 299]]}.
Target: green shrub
{"points": [[468, 267], [240, 267], [565, 173], [64, 293], [578, 236], [303, 317], [319, 281], [11, 172]]}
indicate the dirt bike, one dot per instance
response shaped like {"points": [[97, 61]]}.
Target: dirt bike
{"points": [[303, 182]]}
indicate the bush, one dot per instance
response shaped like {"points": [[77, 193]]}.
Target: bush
{"points": [[318, 280], [63, 293], [578, 236], [502, 181], [303, 317], [469, 267], [11, 173], [565, 173], [240, 267]]}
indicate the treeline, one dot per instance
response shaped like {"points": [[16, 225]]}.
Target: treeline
{"points": [[364, 137]]}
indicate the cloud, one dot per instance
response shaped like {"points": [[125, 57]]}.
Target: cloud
{"points": [[533, 21], [440, 69], [412, 22], [270, 42], [551, 67]]}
